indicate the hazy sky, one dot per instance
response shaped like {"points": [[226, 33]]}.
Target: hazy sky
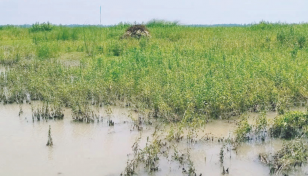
{"points": [[184, 11]]}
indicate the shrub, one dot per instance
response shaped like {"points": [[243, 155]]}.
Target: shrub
{"points": [[41, 27], [292, 154], [243, 130], [263, 25], [261, 123], [289, 125]]}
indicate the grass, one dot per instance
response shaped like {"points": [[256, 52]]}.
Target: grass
{"points": [[181, 72]]}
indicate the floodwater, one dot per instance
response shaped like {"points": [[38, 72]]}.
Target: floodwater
{"points": [[98, 149], [79, 148]]}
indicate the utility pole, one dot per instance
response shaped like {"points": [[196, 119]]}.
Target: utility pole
{"points": [[100, 15]]}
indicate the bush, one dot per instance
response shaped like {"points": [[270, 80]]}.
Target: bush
{"points": [[293, 153], [289, 125], [37, 27], [263, 25], [243, 130]]}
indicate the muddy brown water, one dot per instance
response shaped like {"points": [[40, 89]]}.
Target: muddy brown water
{"points": [[97, 149]]}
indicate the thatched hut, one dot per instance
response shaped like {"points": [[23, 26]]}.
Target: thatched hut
{"points": [[136, 31]]}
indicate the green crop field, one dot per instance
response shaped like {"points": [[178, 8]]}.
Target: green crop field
{"points": [[181, 73]]}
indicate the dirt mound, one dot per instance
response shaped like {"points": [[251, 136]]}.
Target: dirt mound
{"points": [[136, 31]]}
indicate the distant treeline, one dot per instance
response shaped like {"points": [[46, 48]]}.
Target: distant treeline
{"points": [[191, 25]]}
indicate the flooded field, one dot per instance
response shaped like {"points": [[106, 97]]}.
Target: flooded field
{"points": [[100, 149]]}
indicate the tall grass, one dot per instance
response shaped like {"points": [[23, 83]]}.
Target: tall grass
{"points": [[181, 72]]}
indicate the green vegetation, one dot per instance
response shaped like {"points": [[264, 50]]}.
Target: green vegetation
{"points": [[261, 124], [243, 130], [290, 125], [293, 153], [180, 72], [41, 27], [161, 23]]}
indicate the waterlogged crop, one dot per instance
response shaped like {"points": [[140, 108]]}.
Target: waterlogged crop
{"points": [[181, 73], [293, 153], [244, 128], [290, 124]]}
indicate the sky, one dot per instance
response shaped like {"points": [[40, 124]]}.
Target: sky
{"points": [[207, 12]]}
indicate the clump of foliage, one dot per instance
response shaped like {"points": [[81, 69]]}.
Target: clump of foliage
{"points": [[291, 39], [37, 27], [46, 112], [290, 124], [261, 126], [243, 130], [261, 123], [262, 25], [293, 153]]}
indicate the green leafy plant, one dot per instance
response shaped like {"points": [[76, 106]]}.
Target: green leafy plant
{"points": [[37, 27], [242, 130], [289, 125]]}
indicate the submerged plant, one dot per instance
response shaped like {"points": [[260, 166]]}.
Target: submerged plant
{"points": [[243, 130], [47, 111], [49, 142], [293, 153]]}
